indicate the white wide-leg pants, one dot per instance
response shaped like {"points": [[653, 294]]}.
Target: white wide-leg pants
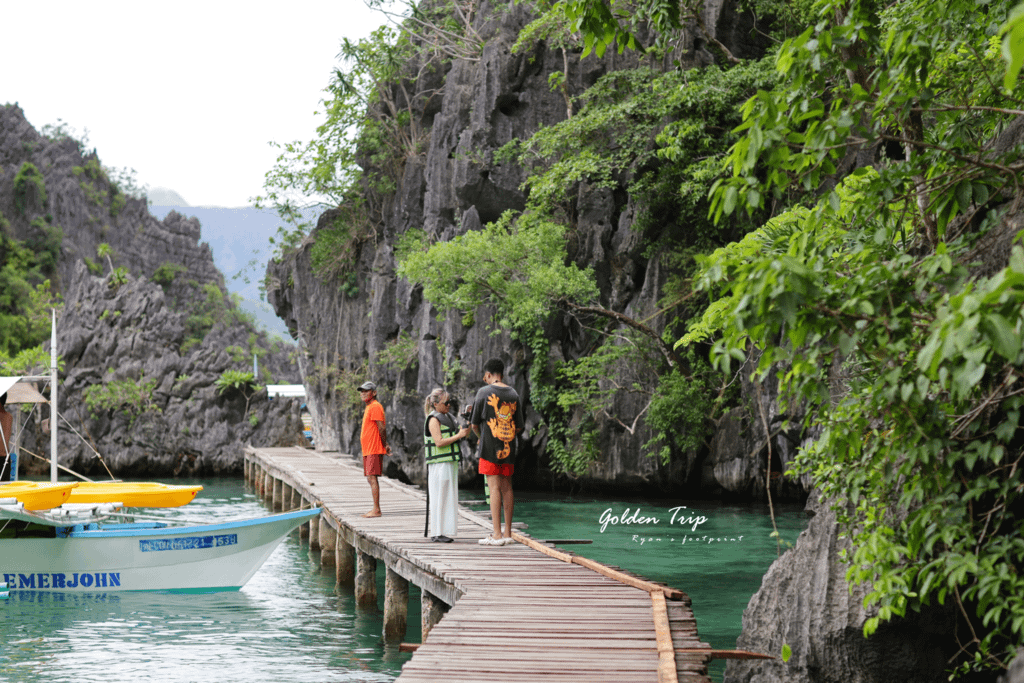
{"points": [[443, 483]]}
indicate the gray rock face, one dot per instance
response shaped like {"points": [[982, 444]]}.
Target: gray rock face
{"points": [[805, 602], [1015, 674], [451, 188], [189, 427], [139, 331]]}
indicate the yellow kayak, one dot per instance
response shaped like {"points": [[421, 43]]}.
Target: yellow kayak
{"points": [[38, 495], [134, 494]]}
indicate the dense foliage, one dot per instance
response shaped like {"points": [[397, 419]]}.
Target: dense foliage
{"points": [[868, 309], [25, 293]]}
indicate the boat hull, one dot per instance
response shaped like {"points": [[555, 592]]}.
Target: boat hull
{"points": [[37, 495], [134, 494], [129, 558]]}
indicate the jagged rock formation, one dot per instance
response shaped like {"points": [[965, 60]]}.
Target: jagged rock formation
{"points": [[805, 602], [189, 427], [182, 332], [456, 186]]}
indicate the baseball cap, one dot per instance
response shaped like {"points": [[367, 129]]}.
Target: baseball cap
{"points": [[367, 386]]}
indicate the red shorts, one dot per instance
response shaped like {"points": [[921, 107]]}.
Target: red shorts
{"points": [[488, 467], [373, 464]]}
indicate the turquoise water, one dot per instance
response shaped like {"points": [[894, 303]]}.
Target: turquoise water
{"points": [[288, 624]]}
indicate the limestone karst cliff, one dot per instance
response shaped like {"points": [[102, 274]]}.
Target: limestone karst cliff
{"points": [[350, 328], [149, 309], [455, 183]]}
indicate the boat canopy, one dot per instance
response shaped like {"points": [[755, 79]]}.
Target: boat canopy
{"points": [[286, 390], [20, 389]]}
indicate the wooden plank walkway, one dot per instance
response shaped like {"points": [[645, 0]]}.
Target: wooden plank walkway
{"points": [[521, 612]]}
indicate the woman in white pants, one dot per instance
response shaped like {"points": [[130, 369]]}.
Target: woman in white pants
{"points": [[442, 455]]}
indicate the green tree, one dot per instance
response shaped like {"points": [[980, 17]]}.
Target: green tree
{"points": [[238, 381], [165, 274], [103, 250], [26, 298], [517, 265], [862, 304], [118, 277]]}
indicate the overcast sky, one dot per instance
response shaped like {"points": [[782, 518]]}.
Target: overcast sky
{"points": [[189, 94]]}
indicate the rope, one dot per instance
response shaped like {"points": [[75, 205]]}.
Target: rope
{"points": [[60, 467], [104, 462]]}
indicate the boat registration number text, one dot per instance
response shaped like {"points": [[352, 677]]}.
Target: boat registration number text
{"points": [[187, 543]]}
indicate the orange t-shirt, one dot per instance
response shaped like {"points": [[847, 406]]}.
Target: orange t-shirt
{"points": [[370, 437]]}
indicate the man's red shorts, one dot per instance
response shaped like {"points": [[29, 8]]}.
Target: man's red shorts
{"points": [[373, 465], [488, 467]]}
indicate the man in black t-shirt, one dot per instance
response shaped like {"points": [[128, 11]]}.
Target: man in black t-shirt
{"points": [[498, 420]]}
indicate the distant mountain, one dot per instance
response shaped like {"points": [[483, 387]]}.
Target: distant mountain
{"points": [[165, 197], [240, 240]]}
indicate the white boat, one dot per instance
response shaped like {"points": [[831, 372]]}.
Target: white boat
{"points": [[94, 547], [85, 549]]}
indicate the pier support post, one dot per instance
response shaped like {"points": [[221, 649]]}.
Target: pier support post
{"points": [[432, 608], [277, 495], [328, 538], [286, 497], [344, 562], [396, 606], [268, 485], [366, 580], [298, 503], [314, 533]]}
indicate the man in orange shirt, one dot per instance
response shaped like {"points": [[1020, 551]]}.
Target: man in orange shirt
{"points": [[374, 440]]}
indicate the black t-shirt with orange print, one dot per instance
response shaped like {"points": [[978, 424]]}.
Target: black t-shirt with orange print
{"points": [[498, 412]]}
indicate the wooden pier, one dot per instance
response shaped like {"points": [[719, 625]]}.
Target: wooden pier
{"points": [[522, 612]]}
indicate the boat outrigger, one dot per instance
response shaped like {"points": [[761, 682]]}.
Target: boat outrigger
{"points": [[77, 536]]}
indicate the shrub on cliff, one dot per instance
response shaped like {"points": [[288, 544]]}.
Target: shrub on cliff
{"points": [[29, 188], [128, 396], [240, 382]]}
